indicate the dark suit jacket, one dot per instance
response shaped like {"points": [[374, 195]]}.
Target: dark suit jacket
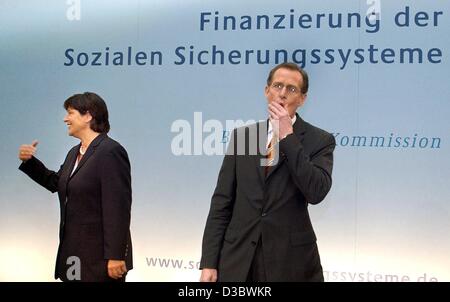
{"points": [[248, 206], [95, 207]]}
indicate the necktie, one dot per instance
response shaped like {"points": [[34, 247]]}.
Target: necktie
{"points": [[271, 153]]}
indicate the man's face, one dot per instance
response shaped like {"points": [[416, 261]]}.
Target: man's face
{"points": [[285, 89], [76, 122]]}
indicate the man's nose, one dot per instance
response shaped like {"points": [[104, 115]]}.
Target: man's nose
{"points": [[283, 92]]}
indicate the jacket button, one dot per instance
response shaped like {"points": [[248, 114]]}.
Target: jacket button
{"points": [[264, 214]]}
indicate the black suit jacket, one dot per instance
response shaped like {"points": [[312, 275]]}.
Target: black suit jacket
{"points": [[95, 205], [248, 206]]}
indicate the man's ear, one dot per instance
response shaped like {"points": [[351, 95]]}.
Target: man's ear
{"points": [[266, 90], [302, 100]]}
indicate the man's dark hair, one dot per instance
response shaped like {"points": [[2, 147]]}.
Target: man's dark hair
{"points": [[95, 105], [294, 67]]}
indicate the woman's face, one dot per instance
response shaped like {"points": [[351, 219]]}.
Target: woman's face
{"points": [[76, 122]]}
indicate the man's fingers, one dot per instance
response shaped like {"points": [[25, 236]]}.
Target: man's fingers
{"points": [[275, 110], [279, 108], [208, 275], [272, 108], [34, 143], [281, 111], [276, 105], [273, 114]]}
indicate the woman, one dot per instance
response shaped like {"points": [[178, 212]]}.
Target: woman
{"points": [[94, 189]]}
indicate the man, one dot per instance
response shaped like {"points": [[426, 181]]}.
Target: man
{"points": [[94, 190], [258, 227]]}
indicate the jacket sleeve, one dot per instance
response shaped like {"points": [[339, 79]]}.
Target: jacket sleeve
{"points": [[310, 173], [37, 171], [221, 209], [116, 202]]}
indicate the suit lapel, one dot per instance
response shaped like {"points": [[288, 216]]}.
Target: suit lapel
{"points": [[261, 140], [67, 169], [300, 128], [90, 150]]}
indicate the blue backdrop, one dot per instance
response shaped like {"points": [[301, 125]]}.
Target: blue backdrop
{"points": [[378, 82]]}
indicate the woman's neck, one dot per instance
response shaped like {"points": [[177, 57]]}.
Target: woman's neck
{"points": [[87, 138]]}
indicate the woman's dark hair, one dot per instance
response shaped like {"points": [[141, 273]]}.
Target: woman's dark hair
{"points": [[95, 105]]}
